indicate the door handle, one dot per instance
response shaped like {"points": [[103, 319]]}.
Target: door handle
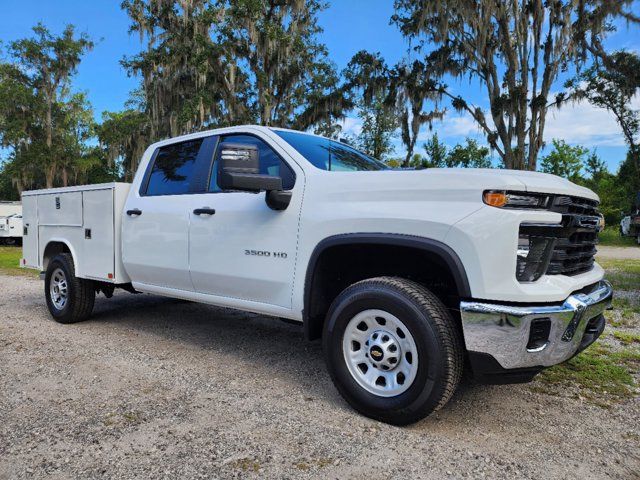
{"points": [[135, 211], [204, 211]]}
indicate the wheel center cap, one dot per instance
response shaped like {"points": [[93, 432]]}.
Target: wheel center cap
{"points": [[383, 350], [376, 353]]}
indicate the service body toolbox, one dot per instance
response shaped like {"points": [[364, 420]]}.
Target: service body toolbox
{"points": [[89, 216]]}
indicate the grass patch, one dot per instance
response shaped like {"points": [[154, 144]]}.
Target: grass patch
{"points": [[10, 262], [626, 337], [623, 274], [611, 237], [626, 310], [601, 374]]}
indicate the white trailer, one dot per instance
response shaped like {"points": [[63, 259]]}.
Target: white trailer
{"points": [[8, 208], [82, 219], [10, 222]]}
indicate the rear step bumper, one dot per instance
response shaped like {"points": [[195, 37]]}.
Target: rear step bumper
{"points": [[524, 339]]}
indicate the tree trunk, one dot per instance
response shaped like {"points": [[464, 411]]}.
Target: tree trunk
{"points": [[49, 176]]}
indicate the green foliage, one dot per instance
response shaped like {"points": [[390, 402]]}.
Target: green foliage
{"points": [[222, 63], [515, 50], [123, 137], [379, 123], [564, 160], [44, 125], [469, 155], [436, 152], [611, 84], [611, 237]]}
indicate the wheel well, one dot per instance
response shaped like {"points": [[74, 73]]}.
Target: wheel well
{"points": [[51, 250], [335, 267]]}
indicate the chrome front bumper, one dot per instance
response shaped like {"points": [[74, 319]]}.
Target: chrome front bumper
{"points": [[502, 331]]}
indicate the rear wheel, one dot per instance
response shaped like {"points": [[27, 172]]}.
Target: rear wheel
{"points": [[392, 349], [70, 299]]}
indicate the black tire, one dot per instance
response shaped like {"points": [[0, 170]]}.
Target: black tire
{"points": [[437, 338], [81, 293]]}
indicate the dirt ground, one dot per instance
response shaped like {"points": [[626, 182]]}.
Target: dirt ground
{"points": [[619, 253], [160, 388]]}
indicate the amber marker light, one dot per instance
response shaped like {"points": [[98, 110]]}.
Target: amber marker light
{"points": [[495, 199]]}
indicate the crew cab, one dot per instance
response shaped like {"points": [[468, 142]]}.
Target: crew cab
{"points": [[408, 277]]}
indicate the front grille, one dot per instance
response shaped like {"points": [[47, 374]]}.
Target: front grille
{"points": [[574, 252], [575, 238]]}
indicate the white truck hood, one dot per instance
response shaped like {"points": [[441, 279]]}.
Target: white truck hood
{"points": [[500, 179], [544, 183]]}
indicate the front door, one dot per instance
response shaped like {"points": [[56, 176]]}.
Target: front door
{"points": [[245, 250]]}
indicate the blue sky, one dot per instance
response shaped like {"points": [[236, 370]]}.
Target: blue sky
{"points": [[348, 27]]}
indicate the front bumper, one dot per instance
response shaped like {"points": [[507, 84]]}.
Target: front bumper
{"points": [[503, 332]]}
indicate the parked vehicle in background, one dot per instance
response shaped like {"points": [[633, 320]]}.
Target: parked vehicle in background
{"points": [[11, 230], [10, 223], [630, 224], [408, 277]]}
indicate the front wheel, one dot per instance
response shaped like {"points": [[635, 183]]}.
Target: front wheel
{"points": [[70, 299], [392, 349]]}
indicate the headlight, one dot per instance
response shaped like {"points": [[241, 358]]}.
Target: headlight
{"points": [[534, 254], [502, 199]]}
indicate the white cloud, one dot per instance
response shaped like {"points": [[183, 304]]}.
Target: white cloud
{"points": [[582, 123], [454, 126], [351, 126], [576, 123]]}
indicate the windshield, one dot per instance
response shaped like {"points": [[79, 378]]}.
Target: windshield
{"points": [[330, 155]]}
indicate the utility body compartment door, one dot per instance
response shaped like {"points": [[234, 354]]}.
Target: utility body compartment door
{"points": [[30, 231], [99, 236]]}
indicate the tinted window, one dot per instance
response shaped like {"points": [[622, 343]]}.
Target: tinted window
{"points": [[270, 162], [173, 168], [330, 155]]}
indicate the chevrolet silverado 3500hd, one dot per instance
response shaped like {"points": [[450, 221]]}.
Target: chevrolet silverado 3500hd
{"points": [[408, 277]]}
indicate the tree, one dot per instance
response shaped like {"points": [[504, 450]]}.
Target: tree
{"points": [[52, 61], [410, 87], [515, 50], [188, 80], [436, 152], [564, 160], [379, 124], [611, 84], [278, 42], [123, 136], [470, 155], [595, 166], [368, 78], [42, 123], [217, 63]]}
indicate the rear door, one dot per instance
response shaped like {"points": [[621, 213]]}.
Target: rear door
{"points": [[155, 225]]}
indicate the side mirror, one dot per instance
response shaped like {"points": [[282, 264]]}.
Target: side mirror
{"points": [[240, 169]]}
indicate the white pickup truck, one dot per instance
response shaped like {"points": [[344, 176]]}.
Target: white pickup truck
{"points": [[409, 277]]}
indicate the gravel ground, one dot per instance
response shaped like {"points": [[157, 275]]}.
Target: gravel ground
{"points": [[159, 388], [619, 253]]}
